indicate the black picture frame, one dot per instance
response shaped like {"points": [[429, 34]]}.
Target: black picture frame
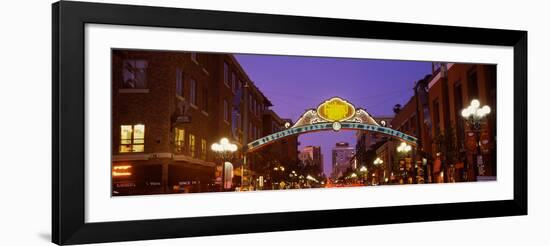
{"points": [[68, 107]]}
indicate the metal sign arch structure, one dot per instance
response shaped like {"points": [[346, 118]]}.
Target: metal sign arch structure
{"points": [[333, 114]]}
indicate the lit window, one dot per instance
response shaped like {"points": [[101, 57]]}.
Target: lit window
{"points": [[132, 138], [226, 74], [179, 82], [203, 149], [179, 140], [191, 145], [193, 92], [134, 74]]}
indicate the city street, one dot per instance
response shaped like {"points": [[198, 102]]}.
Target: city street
{"points": [[226, 122]]}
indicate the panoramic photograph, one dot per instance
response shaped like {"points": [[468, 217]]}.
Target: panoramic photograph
{"points": [[197, 122]]}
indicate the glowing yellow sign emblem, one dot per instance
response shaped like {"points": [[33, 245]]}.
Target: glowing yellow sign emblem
{"points": [[336, 109]]}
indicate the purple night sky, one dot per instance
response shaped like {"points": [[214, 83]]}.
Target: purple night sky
{"points": [[294, 84]]}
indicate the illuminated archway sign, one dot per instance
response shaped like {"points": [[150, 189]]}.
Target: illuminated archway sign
{"points": [[334, 114]]}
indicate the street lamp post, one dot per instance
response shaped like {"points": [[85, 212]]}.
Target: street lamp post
{"points": [[363, 170], [278, 176], [378, 163], [405, 148], [224, 149], [293, 176], [474, 115]]}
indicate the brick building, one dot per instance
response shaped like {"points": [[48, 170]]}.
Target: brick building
{"points": [[412, 166], [433, 115], [167, 110], [285, 151], [451, 89], [369, 142]]}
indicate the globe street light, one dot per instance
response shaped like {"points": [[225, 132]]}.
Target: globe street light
{"points": [[363, 170], [293, 176], [224, 149], [474, 115], [403, 148], [277, 176]]}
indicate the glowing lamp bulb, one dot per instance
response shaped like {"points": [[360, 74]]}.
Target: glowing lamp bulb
{"points": [[465, 113], [224, 141], [475, 103], [486, 109]]}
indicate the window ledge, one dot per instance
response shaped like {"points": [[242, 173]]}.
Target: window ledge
{"points": [[193, 106], [205, 71], [133, 90], [204, 112]]}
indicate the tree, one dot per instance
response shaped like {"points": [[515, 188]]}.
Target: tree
{"points": [[397, 108]]}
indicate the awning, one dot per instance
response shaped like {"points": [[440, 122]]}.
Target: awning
{"points": [[193, 160]]}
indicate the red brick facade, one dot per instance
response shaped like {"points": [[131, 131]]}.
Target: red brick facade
{"points": [[451, 92], [161, 91]]}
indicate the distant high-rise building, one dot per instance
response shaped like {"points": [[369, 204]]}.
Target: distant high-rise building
{"points": [[342, 158], [312, 156]]}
